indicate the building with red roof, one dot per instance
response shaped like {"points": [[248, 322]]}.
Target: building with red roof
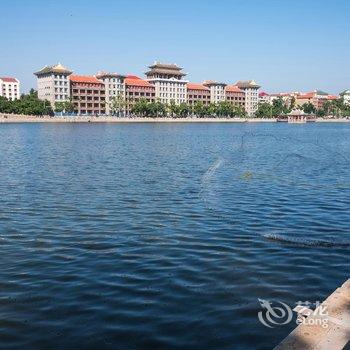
{"points": [[138, 89], [235, 95], [317, 98], [9, 88], [197, 93], [87, 94]]}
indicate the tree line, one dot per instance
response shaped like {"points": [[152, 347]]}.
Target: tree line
{"points": [[144, 108], [280, 107], [28, 104]]}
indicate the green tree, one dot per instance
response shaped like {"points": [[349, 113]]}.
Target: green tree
{"points": [[265, 110], [28, 104], [308, 108], [118, 105]]}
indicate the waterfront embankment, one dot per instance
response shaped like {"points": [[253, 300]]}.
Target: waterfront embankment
{"points": [[17, 118]]}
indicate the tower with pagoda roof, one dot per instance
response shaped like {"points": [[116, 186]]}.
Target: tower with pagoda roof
{"points": [[53, 83], [168, 82], [251, 89]]}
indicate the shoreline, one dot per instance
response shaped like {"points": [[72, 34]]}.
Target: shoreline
{"points": [[4, 119]]}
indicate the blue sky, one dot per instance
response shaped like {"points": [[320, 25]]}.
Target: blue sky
{"points": [[284, 45]]}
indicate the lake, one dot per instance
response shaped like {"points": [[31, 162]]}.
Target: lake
{"points": [[165, 236]]}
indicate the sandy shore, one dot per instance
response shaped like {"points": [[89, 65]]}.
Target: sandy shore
{"points": [[46, 119]]}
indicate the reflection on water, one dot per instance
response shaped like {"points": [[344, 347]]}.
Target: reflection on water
{"points": [[165, 236]]}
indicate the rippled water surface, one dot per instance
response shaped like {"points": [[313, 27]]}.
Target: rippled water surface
{"points": [[164, 236]]}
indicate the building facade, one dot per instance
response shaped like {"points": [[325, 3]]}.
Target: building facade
{"points": [[137, 89], [10, 88], [114, 88], [345, 95], [217, 91], [168, 82], [317, 98], [251, 90], [53, 84], [235, 95], [88, 95], [198, 93], [264, 97]]}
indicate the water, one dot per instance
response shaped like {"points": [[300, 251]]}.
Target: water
{"points": [[164, 236]]}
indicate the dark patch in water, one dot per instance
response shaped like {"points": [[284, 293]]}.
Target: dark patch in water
{"points": [[306, 242]]}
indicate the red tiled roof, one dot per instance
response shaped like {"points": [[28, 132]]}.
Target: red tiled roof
{"points": [[135, 81], [262, 94], [332, 97], [233, 88], [306, 96], [132, 77], [193, 86], [84, 79], [8, 80]]}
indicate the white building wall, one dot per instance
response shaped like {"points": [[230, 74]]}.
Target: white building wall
{"points": [[167, 90], [346, 98], [217, 93], [251, 100], [114, 87], [53, 87], [10, 90]]}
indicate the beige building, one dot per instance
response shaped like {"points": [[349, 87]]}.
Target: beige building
{"points": [[137, 89], [235, 95], [168, 82], [88, 95], [53, 83], [197, 93], [251, 89], [10, 88], [114, 88], [217, 91]]}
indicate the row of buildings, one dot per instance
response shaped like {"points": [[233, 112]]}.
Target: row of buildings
{"points": [[99, 94], [317, 98]]}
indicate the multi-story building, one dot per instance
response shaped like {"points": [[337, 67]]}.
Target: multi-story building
{"points": [[235, 95], [217, 91], [53, 83], [197, 93], [317, 98], [251, 89], [88, 95], [10, 88], [264, 97], [114, 88], [168, 82], [345, 95], [137, 89]]}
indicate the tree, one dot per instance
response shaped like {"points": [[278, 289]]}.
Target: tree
{"points": [[279, 107], [28, 104], [308, 108], [184, 110], [140, 108], [265, 110], [118, 104], [198, 109], [292, 103], [173, 109]]}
